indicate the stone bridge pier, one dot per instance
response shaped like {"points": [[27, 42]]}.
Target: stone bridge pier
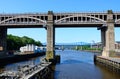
{"points": [[50, 53], [3, 41], [108, 37]]}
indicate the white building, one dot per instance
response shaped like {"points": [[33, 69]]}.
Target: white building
{"points": [[28, 48], [32, 48]]}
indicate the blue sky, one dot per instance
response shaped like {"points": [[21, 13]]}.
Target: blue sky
{"points": [[65, 35]]}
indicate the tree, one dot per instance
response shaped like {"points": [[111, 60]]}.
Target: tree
{"points": [[15, 42]]}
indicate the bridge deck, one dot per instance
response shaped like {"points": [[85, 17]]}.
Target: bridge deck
{"points": [[59, 19]]}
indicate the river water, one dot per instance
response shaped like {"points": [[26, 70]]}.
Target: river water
{"points": [[14, 66], [73, 65], [80, 65]]}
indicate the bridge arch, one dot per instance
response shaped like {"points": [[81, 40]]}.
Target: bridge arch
{"points": [[118, 20], [14, 19], [81, 16]]}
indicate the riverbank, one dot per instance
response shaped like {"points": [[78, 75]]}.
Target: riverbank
{"points": [[39, 71], [112, 63], [17, 58], [98, 52], [94, 51]]}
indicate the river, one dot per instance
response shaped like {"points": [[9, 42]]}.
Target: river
{"points": [[80, 65], [73, 65]]}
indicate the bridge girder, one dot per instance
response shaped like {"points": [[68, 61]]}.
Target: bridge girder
{"points": [[58, 18]]}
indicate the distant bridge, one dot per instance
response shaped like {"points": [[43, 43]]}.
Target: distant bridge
{"points": [[75, 43], [104, 21]]}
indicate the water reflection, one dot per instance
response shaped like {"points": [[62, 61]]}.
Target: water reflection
{"points": [[74, 65], [80, 65], [107, 73], [14, 66]]}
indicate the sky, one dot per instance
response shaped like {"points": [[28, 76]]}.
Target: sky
{"points": [[63, 35]]}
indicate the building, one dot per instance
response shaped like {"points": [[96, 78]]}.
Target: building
{"points": [[28, 49], [31, 48], [99, 45]]}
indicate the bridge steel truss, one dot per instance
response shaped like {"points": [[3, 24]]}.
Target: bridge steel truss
{"points": [[105, 21]]}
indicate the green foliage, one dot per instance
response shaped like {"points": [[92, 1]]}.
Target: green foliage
{"points": [[15, 42], [86, 47]]}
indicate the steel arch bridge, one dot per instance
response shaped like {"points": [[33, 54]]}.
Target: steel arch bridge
{"points": [[59, 19], [104, 21]]}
